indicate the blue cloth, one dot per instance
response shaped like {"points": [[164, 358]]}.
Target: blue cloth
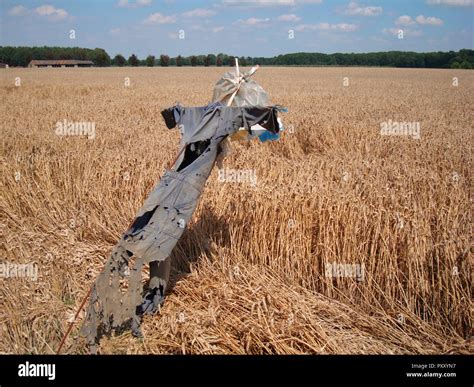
{"points": [[267, 136]]}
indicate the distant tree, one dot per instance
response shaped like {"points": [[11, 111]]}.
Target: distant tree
{"points": [[150, 61], [100, 57], [461, 65], [22, 56], [194, 61], [179, 61], [119, 60], [200, 60], [207, 61], [225, 60], [164, 60], [48, 53], [211, 60], [133, 60], [219, 61]]}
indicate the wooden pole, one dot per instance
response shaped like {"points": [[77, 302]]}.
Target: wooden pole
{"points": [[74, 320]]}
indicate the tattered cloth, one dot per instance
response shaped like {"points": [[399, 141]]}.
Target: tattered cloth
{"points": [[117, 299]]}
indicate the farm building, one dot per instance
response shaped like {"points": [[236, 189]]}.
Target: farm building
{"points": [[61, 63], [3, 66]]}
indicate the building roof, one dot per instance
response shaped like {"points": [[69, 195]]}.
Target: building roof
{"points": [[61, 62]]}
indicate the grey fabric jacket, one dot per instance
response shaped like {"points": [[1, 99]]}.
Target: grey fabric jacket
{"points": [[117, 293]]}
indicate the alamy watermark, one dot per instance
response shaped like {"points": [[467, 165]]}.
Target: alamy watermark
{"points": [[394, 128], [19, 270], [37, 370], [346, 270], [248, 176], [71, 128]]}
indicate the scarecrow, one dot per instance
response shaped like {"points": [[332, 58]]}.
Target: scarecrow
{"points": [[118, 300]]}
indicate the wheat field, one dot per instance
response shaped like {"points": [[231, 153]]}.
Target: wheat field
{"points": [[250, 275]]}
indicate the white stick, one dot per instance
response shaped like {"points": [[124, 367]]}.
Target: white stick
{"points": [[237, 66]]}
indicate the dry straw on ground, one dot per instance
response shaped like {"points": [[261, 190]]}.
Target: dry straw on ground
{"points": [[249, 274]]}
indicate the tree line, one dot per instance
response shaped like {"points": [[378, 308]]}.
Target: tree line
{"points": [[21, 56]]}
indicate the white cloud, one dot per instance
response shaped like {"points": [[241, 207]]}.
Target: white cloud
{"points": [[420, 19], [453, 3], [51, 12], [252, 21], [199, 12], [405, 20], [114, 31], [133, 4], [18, 10], [269, 3], [289, 18], [406, 32], [217, 29], [354, 9], [430, 20], [341, 27], [46, 11], [158, 18]]}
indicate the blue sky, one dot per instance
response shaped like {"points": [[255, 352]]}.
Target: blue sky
{"points": [[239, 27]]}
